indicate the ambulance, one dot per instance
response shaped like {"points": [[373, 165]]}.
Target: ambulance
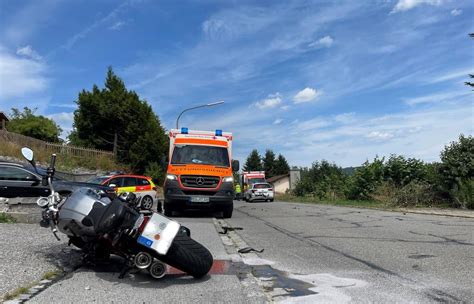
{"points": [[199, 172], [252, 177]]}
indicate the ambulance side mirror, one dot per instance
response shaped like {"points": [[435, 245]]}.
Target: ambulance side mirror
{"points": [[235, 165]]}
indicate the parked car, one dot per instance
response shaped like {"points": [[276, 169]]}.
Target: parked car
{"points": [[18, 180], [142, 186], [259, 191]]}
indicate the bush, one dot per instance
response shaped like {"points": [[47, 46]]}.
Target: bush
{"points": [[414, 194], [154, 171], [366, 179], [323, 181], [457, 171]]}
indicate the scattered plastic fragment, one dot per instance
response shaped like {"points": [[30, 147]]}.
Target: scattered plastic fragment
{"points": [[249, 249], [227, 229]]}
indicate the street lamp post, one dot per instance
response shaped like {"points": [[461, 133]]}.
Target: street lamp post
{"points": [[196, 107]]}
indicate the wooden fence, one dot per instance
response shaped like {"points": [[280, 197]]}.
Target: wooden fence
{"points": [[64, 149]]}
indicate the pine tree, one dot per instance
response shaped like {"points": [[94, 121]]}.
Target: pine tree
{"points": [[114, 118], [281, 165], [253, 162], [269, 163]]}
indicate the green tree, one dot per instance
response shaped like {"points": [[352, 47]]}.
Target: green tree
{"points": [[366, 179], [114, 118], [281, 166], [268, 162], [457, 171], [27, 123], [253, 162]]}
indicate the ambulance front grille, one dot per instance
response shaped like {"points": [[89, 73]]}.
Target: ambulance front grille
{"points": [[199, 181]]}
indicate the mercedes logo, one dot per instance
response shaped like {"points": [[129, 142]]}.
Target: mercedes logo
{"points": [[200, 181]]}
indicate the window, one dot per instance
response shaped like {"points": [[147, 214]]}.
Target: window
{"points": [[117, 181], [129, 182], [204, 155], [262, 186], [143, 182], [16, 174]]}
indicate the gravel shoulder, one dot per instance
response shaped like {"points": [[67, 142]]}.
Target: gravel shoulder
{"points": [[27, 252]]}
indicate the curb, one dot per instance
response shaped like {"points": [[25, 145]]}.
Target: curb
{"points": [[35, 289]]}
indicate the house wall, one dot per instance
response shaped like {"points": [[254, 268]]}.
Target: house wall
{"points": [[281, 185]]}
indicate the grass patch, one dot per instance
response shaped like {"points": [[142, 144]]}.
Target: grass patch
{"points": [[50, 274], [20, 290], [24, 289], [7, 219], [65, 162]]}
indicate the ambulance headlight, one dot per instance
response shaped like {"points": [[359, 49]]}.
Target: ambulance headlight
{"points": [[228, 179], [171, 177]]}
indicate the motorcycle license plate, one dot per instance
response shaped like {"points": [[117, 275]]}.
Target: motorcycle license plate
{"points": [[199, 199], [159, 233]]}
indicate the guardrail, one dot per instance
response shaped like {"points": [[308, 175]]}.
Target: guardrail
{"points": [[34, 143]]}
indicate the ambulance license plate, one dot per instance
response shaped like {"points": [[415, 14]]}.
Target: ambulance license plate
{"points": [[199, 199]]}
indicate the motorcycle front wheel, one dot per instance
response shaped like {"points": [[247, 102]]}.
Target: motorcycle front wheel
{"points": [[188, 256]]}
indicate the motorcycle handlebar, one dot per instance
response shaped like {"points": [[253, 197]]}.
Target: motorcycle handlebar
{"points": [[53, 161]]}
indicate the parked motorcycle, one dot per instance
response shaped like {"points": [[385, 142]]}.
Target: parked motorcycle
{"points": [[102, 225]]}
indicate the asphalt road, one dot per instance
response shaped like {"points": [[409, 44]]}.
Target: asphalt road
{"points": [[312, 254], [358, 255]]}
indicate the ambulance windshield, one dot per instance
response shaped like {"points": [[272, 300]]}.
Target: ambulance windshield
{"points": [[203, 155]]}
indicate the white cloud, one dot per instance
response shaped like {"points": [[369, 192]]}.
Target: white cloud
{"points": [[436, 98], [307, 95], [271, 101], [20, 76], [312, 124], [345, 118], [277, 121], [405, 5], [117, 25], [285, 107], [456, 12], [325, 41], [376, 135], [28, 51], [64, 120], [453, 75], [86, 31]]}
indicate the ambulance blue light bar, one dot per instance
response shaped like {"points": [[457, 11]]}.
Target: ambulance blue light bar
{"points": [[184, 130], [218, 132]]}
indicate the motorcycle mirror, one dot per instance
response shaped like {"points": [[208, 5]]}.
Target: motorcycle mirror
{"points": [[27, 153], [112, 185]]}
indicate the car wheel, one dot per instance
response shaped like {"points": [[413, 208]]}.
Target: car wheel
{"points": [[147, 202], [271, 200]]}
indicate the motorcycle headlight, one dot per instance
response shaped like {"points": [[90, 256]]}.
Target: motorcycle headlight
{"points": [[228, 179], [42, 202], [171, 177]]}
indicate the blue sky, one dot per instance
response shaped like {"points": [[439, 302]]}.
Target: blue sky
{"points": [[336, 80]]}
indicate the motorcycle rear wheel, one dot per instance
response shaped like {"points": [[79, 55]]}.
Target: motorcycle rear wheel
{"points": [[189, 256]]}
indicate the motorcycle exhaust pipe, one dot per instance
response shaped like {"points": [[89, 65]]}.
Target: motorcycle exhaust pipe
{"points": [[157, 270], [143, 260]]}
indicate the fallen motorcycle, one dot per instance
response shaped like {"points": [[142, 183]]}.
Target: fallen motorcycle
{"points": [[102, 225]]}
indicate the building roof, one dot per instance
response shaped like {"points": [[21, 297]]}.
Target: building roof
{"points": [[277, 177], [3, 116]]}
